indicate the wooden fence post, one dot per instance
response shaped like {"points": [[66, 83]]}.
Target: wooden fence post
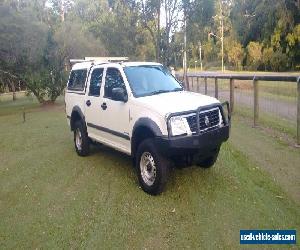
{"points": [[205, 82], [256, 103], [298, 113], [188, 83], [231, 95], [192, 83], [216, 88], [198, 85], [24, 114]]}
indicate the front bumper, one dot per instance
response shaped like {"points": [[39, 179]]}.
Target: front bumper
{"points": [[182, 145], [205, 142]]}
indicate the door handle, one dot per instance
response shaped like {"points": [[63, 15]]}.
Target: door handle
{"points": [[104, 106], [88, 103]]}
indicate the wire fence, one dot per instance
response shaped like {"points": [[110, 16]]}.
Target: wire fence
{"points": [[271, 100]]}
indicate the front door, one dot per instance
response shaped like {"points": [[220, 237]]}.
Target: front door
{"points": [[115, 118]]}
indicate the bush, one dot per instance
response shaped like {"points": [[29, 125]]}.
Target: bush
{"points": [[279, 61], [254, 55], [46, 85]]}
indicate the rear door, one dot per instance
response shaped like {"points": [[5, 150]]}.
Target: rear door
{"points": [[75, 91], [93, 101]]}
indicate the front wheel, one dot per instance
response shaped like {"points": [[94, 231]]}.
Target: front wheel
{"points": [[152, 168]]}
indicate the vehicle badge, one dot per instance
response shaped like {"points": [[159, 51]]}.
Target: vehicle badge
{"points": [[206, 120]]}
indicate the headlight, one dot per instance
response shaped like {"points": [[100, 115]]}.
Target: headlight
{"points": [[179, 126]]}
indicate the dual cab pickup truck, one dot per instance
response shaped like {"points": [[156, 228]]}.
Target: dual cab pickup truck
{"points": [[140, 109]]}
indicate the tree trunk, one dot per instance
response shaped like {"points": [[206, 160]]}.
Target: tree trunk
{"points": [[37, 95], [62, 13], [158, 33], [13, 89]]}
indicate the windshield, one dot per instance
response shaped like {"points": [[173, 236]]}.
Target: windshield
{"points": [[151, 80]]}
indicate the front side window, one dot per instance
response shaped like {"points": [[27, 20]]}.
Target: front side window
{"points": [[95, 82], [148, 80], [77, 79], [113, 79]]}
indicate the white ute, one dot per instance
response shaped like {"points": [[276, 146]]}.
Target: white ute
{"points": [[140, 109]]}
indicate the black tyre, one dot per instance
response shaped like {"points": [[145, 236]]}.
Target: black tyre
{"points": [[152, 168], [209, 161], [81, 139]]}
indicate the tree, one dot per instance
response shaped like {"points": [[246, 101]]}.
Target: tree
{"points": [[117, 29], [35, 50], [89, 12], [150, 16], [49, 79], [85, 44], [293, 46], [22, 43], [254, 55], [267, 57], [235, 53], [279, 61], [172, 9]]}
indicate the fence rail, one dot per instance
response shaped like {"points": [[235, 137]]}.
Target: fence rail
{"points": [[243, 77]]}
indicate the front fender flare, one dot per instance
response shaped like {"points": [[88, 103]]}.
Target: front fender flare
{"points": [[148, 123], [145, 123]]}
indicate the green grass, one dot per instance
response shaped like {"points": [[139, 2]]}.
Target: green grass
{"points": [[8, 107], [269, 121], [286, 91], [51, 198], [271, 151]]}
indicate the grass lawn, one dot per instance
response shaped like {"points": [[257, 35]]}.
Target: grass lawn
{"points": [[8, 107], [286, 91], [51, 198], [266, 120]]}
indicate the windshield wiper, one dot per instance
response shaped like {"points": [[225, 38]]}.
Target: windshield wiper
{"points": [[158, 92], [165, 91], [177, 89]]}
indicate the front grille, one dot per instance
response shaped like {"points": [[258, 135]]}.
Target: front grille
{"points": [[192, 121], [208, 120]]}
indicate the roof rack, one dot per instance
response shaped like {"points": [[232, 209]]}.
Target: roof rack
{"points": [[99, 59]]}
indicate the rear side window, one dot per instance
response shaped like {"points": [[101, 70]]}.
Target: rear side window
{"points": [[96, 81], [77, 79]]}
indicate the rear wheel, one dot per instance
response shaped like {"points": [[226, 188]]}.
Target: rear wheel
{"points": [[81, 139], [152, 168]]}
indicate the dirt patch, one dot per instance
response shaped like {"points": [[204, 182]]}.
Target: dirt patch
{"points": [[49, 106]]}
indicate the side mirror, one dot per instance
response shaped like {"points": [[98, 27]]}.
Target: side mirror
{"points": [[119, 94]]}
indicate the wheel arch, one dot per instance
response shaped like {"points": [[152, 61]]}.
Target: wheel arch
{"points": [[76, 115], [143, 128]]}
